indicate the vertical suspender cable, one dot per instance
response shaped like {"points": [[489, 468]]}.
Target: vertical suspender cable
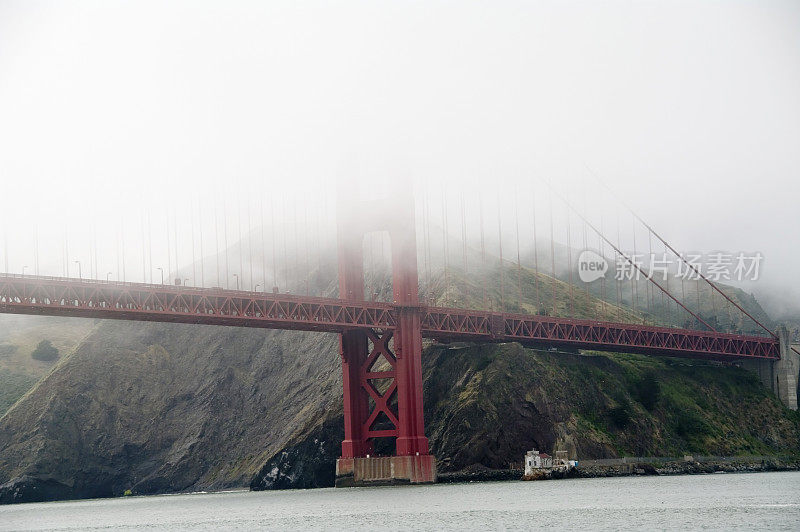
{"points": [[296, 246], [116, 246], [484, 272], [586, 242], [500, 249], [202, 255], [240, 243], [444, 247], [93, 247], [91, 253], [144, 254], [425, 266], [5, 248], [305, 242], [539, 306], [683, 293], [64, 254], [519, 263], [216, 241], [463, 233], [285, 250], [263, 245], [122, 235], [169, 244], [225, 243], [274, 257], [194, 256], [714, 308], [150, 248], [553, 256], [603, 278], [569, 267], [669, 316], [634, 276], [318, 243], [36, 247], [617, 281], [250, 243], [428, 250], [175, 240], [648, 289]]}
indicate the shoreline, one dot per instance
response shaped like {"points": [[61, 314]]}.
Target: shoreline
{"points": [[654, 468]]}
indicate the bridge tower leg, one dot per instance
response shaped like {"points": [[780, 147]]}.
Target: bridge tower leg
{"points": [[392, 410]]}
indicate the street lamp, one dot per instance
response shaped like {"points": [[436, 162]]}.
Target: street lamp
{"points": [[184, 281], [237, 280], [255, 288], [79, 269], [162, 274], [23, 270], [108, 275]]}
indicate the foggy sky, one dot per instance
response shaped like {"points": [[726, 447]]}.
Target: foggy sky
{"points": [[689, 110]]}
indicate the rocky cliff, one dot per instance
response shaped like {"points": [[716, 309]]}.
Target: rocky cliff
{"points": [[159, 408]]}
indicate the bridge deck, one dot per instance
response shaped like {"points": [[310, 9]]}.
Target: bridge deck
{"points": [[56, 296]]}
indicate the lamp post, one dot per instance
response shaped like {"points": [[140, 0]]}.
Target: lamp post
{"points": [[79, 269], [255, 288], [108, 275], [237, 280], [162, 273], [23, 270], [185, 280]]}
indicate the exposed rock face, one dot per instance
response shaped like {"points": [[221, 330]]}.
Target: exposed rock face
{"points": [[309, 461], [159, 407]]}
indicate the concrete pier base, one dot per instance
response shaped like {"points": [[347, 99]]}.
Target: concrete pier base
{"points": [[780, 376], [385, 470]]}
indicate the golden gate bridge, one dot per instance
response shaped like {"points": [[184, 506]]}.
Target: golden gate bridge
{"points": [[382, 341]]}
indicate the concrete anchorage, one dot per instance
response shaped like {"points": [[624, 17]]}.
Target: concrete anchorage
{"points": [[780, 376]]}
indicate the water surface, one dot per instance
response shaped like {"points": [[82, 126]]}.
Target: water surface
{"points": [[721, 501]]}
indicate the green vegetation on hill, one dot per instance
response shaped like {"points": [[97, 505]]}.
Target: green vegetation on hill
{"points": [[45, 351], [12, 387], [19, 337], [488, 404]]}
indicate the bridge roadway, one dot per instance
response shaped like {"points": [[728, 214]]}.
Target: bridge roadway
{"points": [[58, 296]]}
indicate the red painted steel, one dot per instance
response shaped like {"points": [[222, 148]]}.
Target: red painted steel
{"points": [[57, 296], [358, 218], [544, 331]]}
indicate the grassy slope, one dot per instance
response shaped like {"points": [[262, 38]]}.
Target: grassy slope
{"points": [[12, 387], [19, 335], [489, 404]]}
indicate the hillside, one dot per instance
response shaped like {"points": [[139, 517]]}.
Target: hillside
{"points": [[157, 408], [160, 407], [19, 335], [489, 404]]}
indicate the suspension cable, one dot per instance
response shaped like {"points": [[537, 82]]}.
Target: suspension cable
{"points": [[633, 263], [536, 259], [691, 266]]}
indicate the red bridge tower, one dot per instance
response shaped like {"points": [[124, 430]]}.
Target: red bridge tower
{"points": [[382, 369]]}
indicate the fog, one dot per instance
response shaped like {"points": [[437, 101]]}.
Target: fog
{"points": [[153, 120]]}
